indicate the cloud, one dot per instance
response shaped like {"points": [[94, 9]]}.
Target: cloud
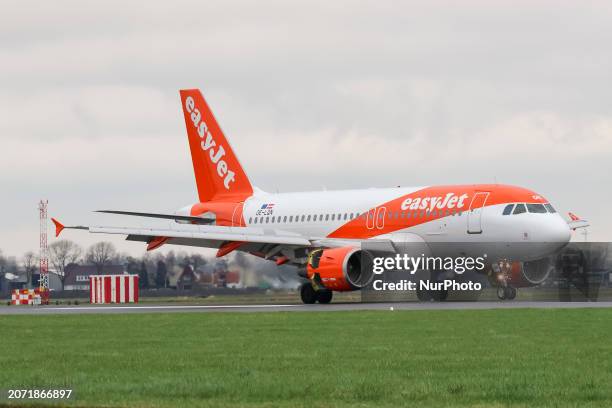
{"points": [[311, 94]]}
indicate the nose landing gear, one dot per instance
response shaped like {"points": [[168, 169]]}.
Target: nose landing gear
{"points": [[502, 271]]}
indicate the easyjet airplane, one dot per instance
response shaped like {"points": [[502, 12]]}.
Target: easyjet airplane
{"points": [[326, 233]]}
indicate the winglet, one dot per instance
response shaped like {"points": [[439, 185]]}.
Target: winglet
{"points": [[576, 222], [58, 227]]}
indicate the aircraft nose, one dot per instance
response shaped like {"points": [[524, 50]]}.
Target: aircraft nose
{"points": [[557, 232]]}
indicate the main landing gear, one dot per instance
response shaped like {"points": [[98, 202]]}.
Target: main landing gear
{"points": [[432, 295], [506, 292], [310, 295]]}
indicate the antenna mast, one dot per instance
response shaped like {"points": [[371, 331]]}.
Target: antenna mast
{"points": [[44, 253]]}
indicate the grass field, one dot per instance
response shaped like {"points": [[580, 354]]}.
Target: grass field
{"points": [[486, 358]]}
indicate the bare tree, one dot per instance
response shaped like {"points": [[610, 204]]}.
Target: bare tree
{"points": [[30, 262], [197, 260], [101, 254], [2, 270], [61, 254], [2, 262]]}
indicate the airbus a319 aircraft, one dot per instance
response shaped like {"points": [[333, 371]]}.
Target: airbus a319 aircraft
{"points": [[326, 233]]}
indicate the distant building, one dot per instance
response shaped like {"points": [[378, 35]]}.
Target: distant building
{"points": [[218, 276], [55, 282], [187, 279], [19, 280], [77, 276], [232, 279]]}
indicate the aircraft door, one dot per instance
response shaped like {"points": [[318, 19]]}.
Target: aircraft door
{"points": [[474, 214], [376, 218]]}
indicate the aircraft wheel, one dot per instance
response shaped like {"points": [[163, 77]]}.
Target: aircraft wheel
{"points": [[325, 296], [423, 295], [510, 293], [439, 295], [308, 294], [501, 293]]}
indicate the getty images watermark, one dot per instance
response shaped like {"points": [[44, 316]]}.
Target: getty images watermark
{"points": [[412, 264]]}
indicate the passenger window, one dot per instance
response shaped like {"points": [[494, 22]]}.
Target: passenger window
{"points": [[303, 216], [267, 219], [345, 215], [272, 220], [550, 208], [536, 208], [508, 209], [326, 217], [250, 220], [519, 209], [291, 218], [333, 217], [285, 218]]}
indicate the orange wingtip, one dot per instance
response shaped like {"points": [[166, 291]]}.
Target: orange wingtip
{"points": [[58, 227], [573, 216]]}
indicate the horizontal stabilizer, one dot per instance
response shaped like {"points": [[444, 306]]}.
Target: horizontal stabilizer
{"points": [[186, 218], [59, 227]]}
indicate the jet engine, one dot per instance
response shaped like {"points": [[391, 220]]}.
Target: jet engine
{"points": [[523, 274], [340, 269]]}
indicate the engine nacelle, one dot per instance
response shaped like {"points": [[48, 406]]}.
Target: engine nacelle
{"points": [[531, 273], [341, 269]]}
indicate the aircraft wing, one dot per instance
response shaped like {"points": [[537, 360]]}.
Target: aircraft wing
{"points": [[210, 236], [213, 233]]}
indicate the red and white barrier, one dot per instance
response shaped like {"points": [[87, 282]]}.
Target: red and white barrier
{"points": [[25, 297], [113, 289]]}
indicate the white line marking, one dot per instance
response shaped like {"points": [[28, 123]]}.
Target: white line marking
{"points": [[166, 307]]}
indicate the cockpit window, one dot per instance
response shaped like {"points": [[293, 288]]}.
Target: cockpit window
{"points": [[550, 208], [508, 209], [519, 209], [536, 208]]}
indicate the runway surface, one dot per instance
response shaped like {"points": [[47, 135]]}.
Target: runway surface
{"points": [[333, 307]]}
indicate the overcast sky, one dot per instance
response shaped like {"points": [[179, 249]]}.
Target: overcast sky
{"points": [[311, 95]]}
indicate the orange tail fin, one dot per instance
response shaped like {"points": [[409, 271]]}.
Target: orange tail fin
{"points": [[218, 173]]}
